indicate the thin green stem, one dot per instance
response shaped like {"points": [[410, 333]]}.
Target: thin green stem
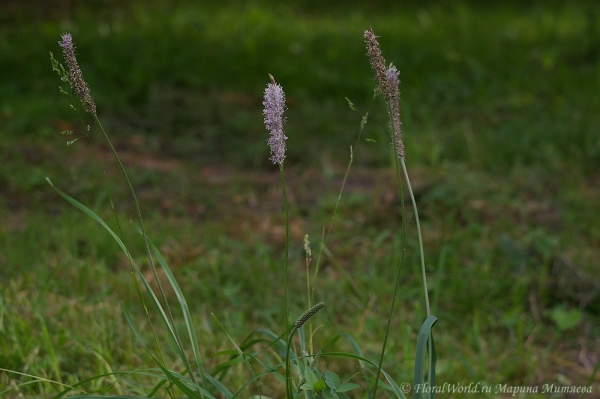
{"points": [[397, 285], [147, 243], [285, 263], [412, 197], [288, 385], [430, 370], [308, 295], [112, 206], [352, 153]]}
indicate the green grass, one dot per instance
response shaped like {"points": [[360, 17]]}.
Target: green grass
{"points": [[489, 85], [501, 134]]}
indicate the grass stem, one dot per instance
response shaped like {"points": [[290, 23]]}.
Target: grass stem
{"points": [[422, 253], [149, 252], [285, 275]]}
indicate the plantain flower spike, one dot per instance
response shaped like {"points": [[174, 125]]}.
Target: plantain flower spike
{"points": [[308, 314]]}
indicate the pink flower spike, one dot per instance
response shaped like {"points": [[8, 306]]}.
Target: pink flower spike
{"points": [[274, 103]]}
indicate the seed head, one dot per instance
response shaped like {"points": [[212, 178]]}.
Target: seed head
{"points": [[393, 80], [377, 63], [308, 314], [81, 87], [274, 103], [315, 361]]}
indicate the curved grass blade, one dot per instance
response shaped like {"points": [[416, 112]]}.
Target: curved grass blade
{"points": [[37, 379], [255, 378], [276, 340], [424, 335], [240, 352], [90, 213], [79, 383], [184, 308], [118, 240], [176, 378], [220, 387], [155, 300], [395, 388], [105, 397], [363, 367]]}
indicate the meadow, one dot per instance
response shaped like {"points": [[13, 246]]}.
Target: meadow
{"points": [[501, 121]]}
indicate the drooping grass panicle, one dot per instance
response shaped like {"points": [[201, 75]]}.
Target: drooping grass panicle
{"points": [[393, 81], [308, 314], [274, 103], [81, 87]]}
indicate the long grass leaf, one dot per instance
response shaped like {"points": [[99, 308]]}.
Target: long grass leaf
{"points": [[105, 397], [133, 327], [90, 213], [220, 387], [186, 312], [240, 351], [118, 240], [37, 379], [362, 365], [395, 388], [178, 380], [96, 377], [276, 340], [424, 335]]}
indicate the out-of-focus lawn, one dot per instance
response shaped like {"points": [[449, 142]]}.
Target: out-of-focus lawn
{"points": [[500, 117]]}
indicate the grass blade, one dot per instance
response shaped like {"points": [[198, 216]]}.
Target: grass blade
{"points": [[240, 352], [185, 309], [424, 335]]}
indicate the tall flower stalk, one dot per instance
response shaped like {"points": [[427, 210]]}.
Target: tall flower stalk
{"points": [[388, 82], [274, 103], [77, 82]]}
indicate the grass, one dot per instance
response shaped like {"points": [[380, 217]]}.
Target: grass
{"points": [[471, 95], [494, 114]]}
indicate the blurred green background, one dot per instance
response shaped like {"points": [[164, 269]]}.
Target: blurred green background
{"points": [[500, 112], [492, 85]]}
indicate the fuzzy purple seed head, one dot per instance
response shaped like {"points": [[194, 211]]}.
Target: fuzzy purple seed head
{"points": [[274, 107], [81, 87], [377, 62], [393, 81]]}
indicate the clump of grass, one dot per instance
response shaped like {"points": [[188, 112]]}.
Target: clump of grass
{"points": [[194, 381]]}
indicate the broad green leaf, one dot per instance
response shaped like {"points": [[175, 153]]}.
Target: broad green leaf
{"points": [[348, 386], [310, 376], [306, 387], [332, 380]]}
